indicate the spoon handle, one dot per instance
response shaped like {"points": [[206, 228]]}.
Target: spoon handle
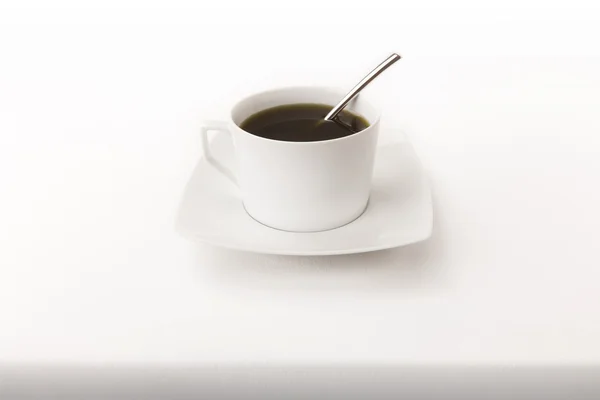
{"points": [[364, 82]]}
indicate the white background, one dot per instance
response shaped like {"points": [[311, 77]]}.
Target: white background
{"points": [[100, 108]]}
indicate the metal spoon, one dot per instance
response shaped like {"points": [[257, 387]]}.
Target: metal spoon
{"points": [[364, 82]]}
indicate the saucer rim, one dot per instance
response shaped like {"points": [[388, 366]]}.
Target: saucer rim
{"points": [[187, 234]]}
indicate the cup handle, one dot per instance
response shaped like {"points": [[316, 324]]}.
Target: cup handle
{"points": [[216, 126]]}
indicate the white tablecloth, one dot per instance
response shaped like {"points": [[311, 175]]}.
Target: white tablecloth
{"points": [[100, 110]]}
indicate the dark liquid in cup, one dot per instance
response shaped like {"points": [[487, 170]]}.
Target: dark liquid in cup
{"points": [[302, 123]]}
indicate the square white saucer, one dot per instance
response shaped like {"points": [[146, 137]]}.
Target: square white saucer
{"points": [[399, 211]]}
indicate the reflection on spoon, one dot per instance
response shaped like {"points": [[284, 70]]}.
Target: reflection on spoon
{"points": [[364, 82]]}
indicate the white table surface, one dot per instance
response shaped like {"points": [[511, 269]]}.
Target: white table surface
{"points": [[100, 110]]}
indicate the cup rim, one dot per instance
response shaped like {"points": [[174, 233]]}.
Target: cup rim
{"points": [[371, 126]]}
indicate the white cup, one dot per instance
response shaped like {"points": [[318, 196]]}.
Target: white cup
{"points": [[300, 186]]}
